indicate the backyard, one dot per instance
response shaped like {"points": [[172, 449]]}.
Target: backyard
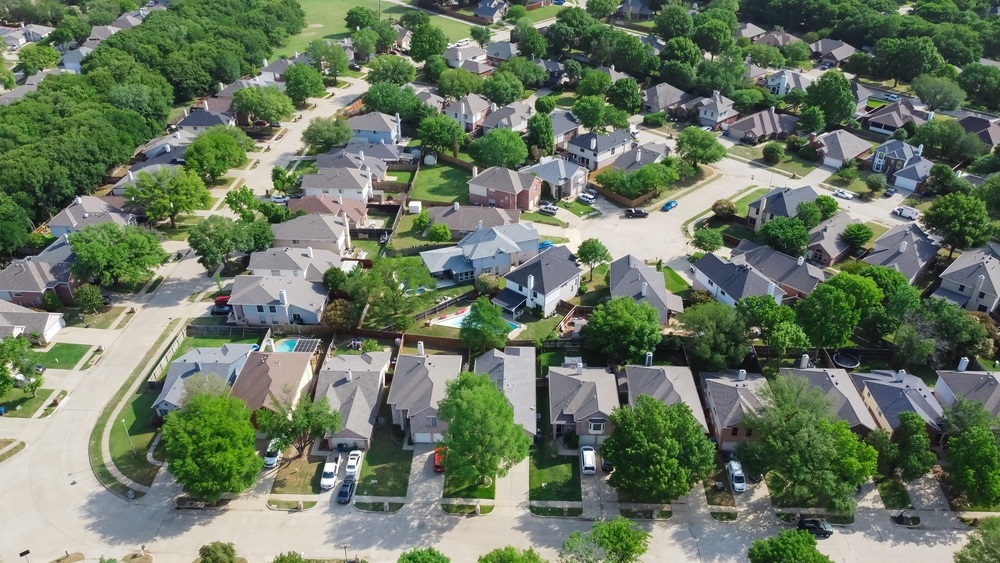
{"points": [[441, 183], [791, 163], [191, 343], [675, 283], [385, 470], [408, 236]]}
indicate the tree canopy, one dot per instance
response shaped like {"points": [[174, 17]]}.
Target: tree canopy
{"points": [[484, 327], [109, 253], [592, 252], [266, 103], [168, 192], [983, 545], [960, 220], [499, 147], [298, 422], [623, 329], [608, 541], [325, 133], [391, 69], [213, 153], [716, 341], [699, 147], [788, 545], [303, 82]]}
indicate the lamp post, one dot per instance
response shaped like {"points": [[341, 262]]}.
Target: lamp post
{"points": [[129, 436], [345, 546]]}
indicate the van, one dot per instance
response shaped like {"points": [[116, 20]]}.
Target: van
{"points": [[906, 212], [588, 460]]}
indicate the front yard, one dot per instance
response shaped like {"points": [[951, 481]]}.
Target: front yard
{"points": [[577, 207], [18, 403], [791, 163], [551, 476], [543, 219], [457, 487], [62, 355], [298, 475], [135, 427], [743, 204], [385, 470], [442, 183], [102, 319], [893, 493]]}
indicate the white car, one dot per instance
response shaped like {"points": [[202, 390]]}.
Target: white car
{"points": [[353, 463], [586, 198], [328, 479], [280, 198], [843, 193], [736, 477], [892, 97], [549, 209], [272, 455]]}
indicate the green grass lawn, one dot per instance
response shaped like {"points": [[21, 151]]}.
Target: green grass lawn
{"points": [[403, 176], [543, 219], [62, 355], [791, 163], [577, 207], [184, 224], [137, 415], [546, 359], [18, 403], [101, 319], [456, 487], [298, 475], [407, 235], [551, 476], [442, 183], [371, 247], [535, 328], [385, 470], [878, 229], [675, 283], [548, 12], [553, 240], [306, 167], [565, 100], [893, 493], [743, 204]]}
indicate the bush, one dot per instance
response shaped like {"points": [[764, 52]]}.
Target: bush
{"points": [[439, 233], [654, 119], [699, 296], [422, 220], [487, 283], [572, 441], [808, 153], [516, 12], [545, 104], [875, 183], [773, 152], [724, 208], [795, 143], [51, 301]]}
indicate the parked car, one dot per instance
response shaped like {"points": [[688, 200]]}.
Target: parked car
{"points": [[549, 209], [588, 460], [736, 477], [669, 205], [106, 299], [816, 527], [706, 128], [222, 300], [221, 310], [890, 191], [440, 453], [328, 479], [840, 192], [892, 97], [636, 212], [586, 198], [906, 212], [276, 198], [353, 463], [272, 455], [39, 368], [606, 465], [825, 66], [346, 490], [354, 66], [590, 191]]}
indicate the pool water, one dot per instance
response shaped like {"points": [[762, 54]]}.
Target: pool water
{"points": [[456, 322], [286, 345]]}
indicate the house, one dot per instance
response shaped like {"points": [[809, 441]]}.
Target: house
{"points": [[729, 398], [500, 52], [346, 183], [513, 372], [85, 211], [826, 247], [199, 121], [356, 210], [554, 71], [716, 111], [763, 126], [845, 400], [614, 74], [987, 130], [270, 379], [664, 97], [631, 277], [905, 248], [174, 143], [749, 30], [30, 85], [37, 326], [99, 33], [417, 387], [597, 151], [972, 281], [777, 39], [786, 80], [167, 161], [667, 384], [35, 33], [903, 164], [484, 251], [14, 40], [580, 402], [541, 282], [560, 178], [276, 300], [513, 116], [469, 111], [24, 281], [317, 231], [793, 275], [890, 393], [373, 167], [71, 60], [634, 10], [779, 202], [861, 96], [128, 20], [387, 154], [640, 156], [565, 126], [832, 51], [463, 220], [979, 386], [456, 56], [353, 386], [432, 99], [403, 37], [654, 43], [307, 263], [275, 72], [223, 363], [888, 118], [837, 147], [492, 11], [480, 68], [505, 188], [754, 74], [375, 127], [729, 282]]}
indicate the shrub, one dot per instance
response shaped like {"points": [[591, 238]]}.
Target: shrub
{"points": [[487, 283], [875, 183], [773, 152], [422, 220], [699, 296], [724, 208], [795, 143], [808, 153], [654, 119]]}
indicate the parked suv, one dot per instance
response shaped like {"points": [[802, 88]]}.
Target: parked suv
{"points": [[548, 209], [736, 477], [328, 479], [586, 198], [816, 527], [635, 212]]}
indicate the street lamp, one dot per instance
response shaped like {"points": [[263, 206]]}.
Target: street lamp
{"points": [[129, 436], [345, 546]]}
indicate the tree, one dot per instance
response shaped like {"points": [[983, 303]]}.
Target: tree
{"points": [[212, 154], [168, 192], [601, 9], [724, 208], [774, 152], [440, 133], [831, 93], [593, 252], [747, 100], [717, 341], [289, 557], [412, 19], [624, 94], [499, 147], [7, 79], [458, 82], [623, 329], [672, 22], [808, 213], [682, 50], [960, 220], [875, 183], [439, 233], [88, 297], [938, 93], [324, 133], [659, 451], [915, 457], [526, 71], [209, 447], [984, 543], [519, 13], [109, 253], [787, 235], [484, 327], [334, 279], [298, 423], [788, 545], [610, 541], [964, 414], [360, 18], [541, 135], [33, 58], [217, 552], [427, 40], [391, 69], [511, 554], [707, 240], [481, 35], [813, 119], [487, 284], [482, 438], [593, 83], [15, 357], [502, 88], [828, 206], [266, 103], [244, 202], [905, 58], [532, 44], [545, 104], [14, 225], [386, 288], [328, 58], [698, 147], [975, 465], [34, 383], [589, 110], [303, 82], [766, 56], [365, 42], [713, 36], [828, 316], [425, 555]]}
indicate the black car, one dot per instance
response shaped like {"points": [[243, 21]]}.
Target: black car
{"points": [[606, 465], [635, 212], [889, 192], [816, 527], [346, 490], [106, 299], [219, 310], [354, 66]]}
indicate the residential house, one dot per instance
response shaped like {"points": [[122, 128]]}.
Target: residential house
{"points": [[541, 282], [972, 281], [636, 158], [979, 386], [861, 96], [565, 126], [403, 37], [500, 52], [375, 127], [388, 154], [903, 164], [888, 118], [826, 247], [667, 384], [560, 178], [71, 60], [777, 39], [275, 72], [307, 263], [988, 130], [513, 116], [455, 56], [276, 300], [469, 111], [554, 71], [374, 167], [464, 220], [316, 231], [480, 68], [832, 51], [38, 326], [430, 98], [30, 85], [199, 121], [729, 398], [223, 363], [779, 202], [128, 20], [664, 97], [505, 188], [793, 275], [492, 11], [14, 39], [716, 111], [99, 33], [165, 161], [353, 386], [905, 248], [729, 282], [754, 74], [597, 151], [845, 399], [25, 280], [614, 74], [484, 251], [513, 372], [418, 386], [271, 379], [654, 43], [172, 144], [786, 80], [357, 211], [634, 10], [631, 277], [35, 33], [837, 147], [346, 183], [85, 211], [750, 31], [580, 402], [889, 394], [763, 126]]}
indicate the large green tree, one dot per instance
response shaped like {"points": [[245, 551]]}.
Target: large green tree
{"points": [[974, 465], [427, 40], [484, 327], [787, 235], [625, 95], [541, 134], [325, 133], [831, 93], [391, 69], [16, 356], [716, 341], [937, 92], [440, 133], [511, 554], [386, 289], [215, 238], [168, 192], [623, 329], [298, 422], [672, 22], [109, 253], [328, 58], [914, 455], [699, 147], [960, 220], [423, 555], [828, 316], [213, 153], [33, 58], [592, 252], [303, 82], [788, 545], [983, 545], [264, 102], [608, 541], [499, 147], [15, 224], [457, 82], [503, 88], [589, 110]]}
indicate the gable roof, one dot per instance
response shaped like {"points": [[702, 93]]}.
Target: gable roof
{"points": [[982, 386], [503, 179], [225, 363], [372, 121], [337, 178], [574, 397], [717, 103], [549, 65], [896, 392], [834, 48], [779, 267], [356, 210], [352, 384], [826, 235], [268, 377], [469, 218], [513, 370], [730, 399], [909, 258], [987, 130], [508, 116], [776, 39], [556, 171], [667, 384], [552, 268], [89, 210], [894, 148], [310, 227], [784, 202], [502, 50], [845, 401], [767, 122], [971, 264], [663, 96], [617, 138], [502, 239], [471, 104], [490, 8], [614, 74], [628, 276], [860, 92], [465, 53], [16, 320], [382, 151], [640, 156], [736, 280], [418, 382], [371, 166], [205, 118], [897, 114], [266, 290], [749, 30], [281, 65], [313, 262], [563, 121], [476, 67], [841, 145], [794, 79], [38, 273]]}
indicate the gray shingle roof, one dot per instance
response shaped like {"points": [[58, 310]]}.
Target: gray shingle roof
{"points": [[563, 121], [779, 267], [640, 156], [971, 264], [897, 114], [468, 105], [464, 53], [295, 259], [36, 273], [664, 96], [316, 227], [551, 268], [356, 210], [826, 235], [476, 67], [841, 145], [264, 290], [89, 210], [16, 320], [776, 39], [504, 239], [749, 30], [737, 280], [667, 384], [617, 138], [418, 382], [503, 179], [784, 202], [834, 47], [626, 279], [373, 121], [555, 171], [224, 363], [729, 399], [356, 398], [899, 392], [502, 50], [982, 386], [508, 117], [845, 401], [576, 397], [889, 251], [766, 122], [513, 370], [469, 217], [357, 160], [204, 118], [342, 178]]}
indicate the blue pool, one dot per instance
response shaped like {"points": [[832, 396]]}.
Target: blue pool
{"points": [[286, 345], [456, 322]]}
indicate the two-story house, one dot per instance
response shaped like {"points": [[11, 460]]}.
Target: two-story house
{"points": [[85, 211], [491, 11], [513, 372], [375, 127], [597, 151], [903, 165], [505, 188], [979, 386], [633, 278], [418, 386], [463, 220], [348, 183], [664, 97], [469, 111], [222, 363], [458, 55], [888, 118], [352, 385], [837, 147], [889, 394], [540, 283], [320, 232], [779, 202], [580, 402], [729, 398], [560, 178], [973, 280], [786, 80], [275, 300], [484, 251], [716, 111], [906, 248], [565, 127], [513, 116], [357, 211], [307, 263], [792, 274], [729, 282]]}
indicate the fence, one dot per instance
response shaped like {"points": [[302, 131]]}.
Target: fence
{"points": [[442, 157], [629, 25], [622, 199], [228, 331], [153, 380], [402, 167], [391, 187], [445, 304]]}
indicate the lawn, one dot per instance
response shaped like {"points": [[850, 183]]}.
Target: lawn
{"points": [[550, 358], [209, 342], [577, 207], [137, 417], [565, 100], [101, 319], [403, 176], [62, 355], [548, 12], [442, 183], [878, 230], [407, 235], [893, 493], [743, 204], [298, 475], [385, 470], [180, 232], [551, 476], [371, 247], [306, 166], [543, 219], [675, 283], [18, 403], [715, 496], [791, 163], [535, 328], [456, 487]]}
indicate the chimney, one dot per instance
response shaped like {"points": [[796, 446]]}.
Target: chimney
{"points": [[804, 361], [531, 282], [930, 115], [350, 376], [265, 63], [309, 251], [612, 67], [649, 359], [963, 364], [475, 171], [456, 206], [899, 376], [185, 112], [579, 369], [169, 148], [645, 286], [177, 134], [197, 366], [361, 155], [77, 200], [920, 150], [638, 154], [493, 107], [741, 375], [222, 86], [479, 226], [347, 229], [340, 199], [770, 289], [283, 298], [593, 143], [420, 347], [459, 55], [715, 94], [902, 246], [801, 260]]}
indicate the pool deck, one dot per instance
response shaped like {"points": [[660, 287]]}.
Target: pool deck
{"points": [[447, 319]]}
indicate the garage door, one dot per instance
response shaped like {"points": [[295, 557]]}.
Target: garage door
{"points": [[438, 438], [588, 440], [422, 438]]}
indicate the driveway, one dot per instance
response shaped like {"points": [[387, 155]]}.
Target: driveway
{"points": [[426, 487]]}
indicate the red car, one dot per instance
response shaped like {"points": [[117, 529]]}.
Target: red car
{"points": [[439, 455]]}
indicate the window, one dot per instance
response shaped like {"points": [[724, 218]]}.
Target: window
{"points": [[982, 295], [275, 272], [735, 432], [749, 432], [260, 308], [711, 283], [597, 426], [432, 421], [17, 294], [961, 289], [272, 309]]}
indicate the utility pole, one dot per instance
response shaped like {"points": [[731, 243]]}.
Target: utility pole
{"points": [[129, 436]]}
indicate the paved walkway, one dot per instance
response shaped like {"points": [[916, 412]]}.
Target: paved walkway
{"points": [[926, 494]]}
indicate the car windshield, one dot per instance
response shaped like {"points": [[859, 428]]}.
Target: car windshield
{"points": [[327, 474], [273, 453], [738, 479]]}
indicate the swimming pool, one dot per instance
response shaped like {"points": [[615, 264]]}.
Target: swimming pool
{"points": [[456, 322], [286, 345]]}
